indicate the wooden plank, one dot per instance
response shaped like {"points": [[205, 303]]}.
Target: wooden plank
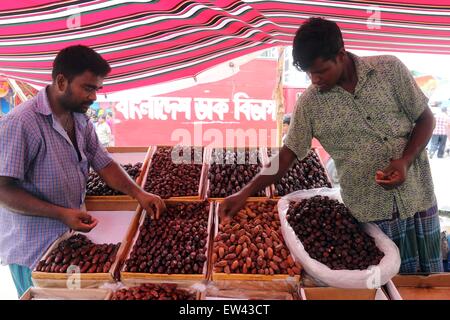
{"points": [[66, 294], [254, 277], [249, 199], [37, 275], [145, 165], [246, 295], [279, 95], [422, 281], [111, 205], [126, 149], [160, 277], [436, 293], [339, 294]]}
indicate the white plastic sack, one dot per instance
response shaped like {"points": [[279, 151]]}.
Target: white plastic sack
{"points": [[373, 277]]}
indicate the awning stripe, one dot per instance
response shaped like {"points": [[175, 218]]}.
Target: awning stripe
{"points": [[148, 42]]}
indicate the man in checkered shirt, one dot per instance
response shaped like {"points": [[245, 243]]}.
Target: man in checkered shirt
{"points": [[374, 121], [439, 138], [47, 146]]}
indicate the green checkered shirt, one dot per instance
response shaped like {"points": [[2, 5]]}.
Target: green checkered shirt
{"points": [[362, 131]]}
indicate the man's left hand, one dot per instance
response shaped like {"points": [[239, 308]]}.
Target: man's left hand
{"points": [[151, 202], [394, 175]]}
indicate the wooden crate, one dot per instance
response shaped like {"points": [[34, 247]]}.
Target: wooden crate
{"points": [[66, 294], [262, 154], [422, 280], [415, 293], [90, 280], [132, 279], [215, 294], [122, 204], [203, 175], [329, 293], [434, 286], [122, 155], [277, 282]]}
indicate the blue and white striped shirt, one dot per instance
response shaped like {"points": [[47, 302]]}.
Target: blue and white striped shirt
{"points": [[35, 149]]}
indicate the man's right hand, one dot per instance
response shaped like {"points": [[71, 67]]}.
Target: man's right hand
{"points": [[279, 165], [78, 220], [232, 204]]}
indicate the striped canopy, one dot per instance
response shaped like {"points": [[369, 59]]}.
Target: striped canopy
{"points": [[150, 42]]}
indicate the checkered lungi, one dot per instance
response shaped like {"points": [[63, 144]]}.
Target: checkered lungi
{"points": [[418, 239]]}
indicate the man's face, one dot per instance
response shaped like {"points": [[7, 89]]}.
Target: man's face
{"points": [[78, 94], [325, 74]]}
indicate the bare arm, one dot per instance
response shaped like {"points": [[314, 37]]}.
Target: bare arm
{"points": [[421, 134], [16, 199], [277, 169], [117, 178], [395, 174]]}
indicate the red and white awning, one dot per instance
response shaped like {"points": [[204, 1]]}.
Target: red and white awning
{"points": [[149, 42]]}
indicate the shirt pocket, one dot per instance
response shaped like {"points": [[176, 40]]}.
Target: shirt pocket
{"points": [[390, 118]]}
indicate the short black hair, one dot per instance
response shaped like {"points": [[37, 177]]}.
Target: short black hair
{"points": [[316, 38], [75, 60]]}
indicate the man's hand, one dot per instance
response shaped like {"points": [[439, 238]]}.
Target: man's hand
{"points": [[151, 203], [78, 220], [232, 204], [394, 175]]}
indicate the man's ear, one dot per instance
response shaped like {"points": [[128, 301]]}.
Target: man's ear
{"points": [[341, 54], [61, 83]]}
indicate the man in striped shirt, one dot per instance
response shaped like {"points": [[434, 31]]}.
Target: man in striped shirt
{"points": [[47, 145], [439, 138]]}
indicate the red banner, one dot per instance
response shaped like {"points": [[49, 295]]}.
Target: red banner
{"points": [[236, 111]]}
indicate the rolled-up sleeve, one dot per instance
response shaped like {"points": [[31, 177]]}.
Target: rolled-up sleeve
{"points": [[18, 148], [96, 154], [300, 134], [412, 100]]}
